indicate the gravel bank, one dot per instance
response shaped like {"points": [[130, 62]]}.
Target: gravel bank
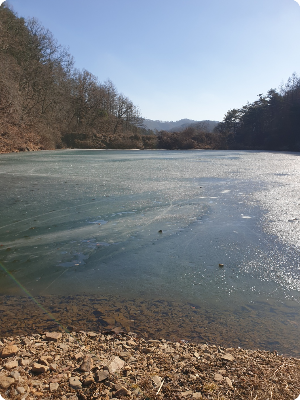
{"points": [[115, 365]]}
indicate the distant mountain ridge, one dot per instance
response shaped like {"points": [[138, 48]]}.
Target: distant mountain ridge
{"points": [[179, 125]]}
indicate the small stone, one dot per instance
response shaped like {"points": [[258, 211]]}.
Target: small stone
{"points": [[87, 364], [197, 395], [156, 380], [39, 368], [53, 336], [5, 381], [122, 392], [53, 367], [187, 393], [101, 375], [92, 334], [218, 377], [88, 380], [53, 386], [78, 355], [27, 341], [9, 350], [23, 362], [16, 375], [11, 364], [115, 365], [227, 357], [44, 360], [228, 381], [20, 389], [75, 383], [125, 355]]}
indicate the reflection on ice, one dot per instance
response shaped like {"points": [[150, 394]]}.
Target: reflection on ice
{"points": [[90, 221]]}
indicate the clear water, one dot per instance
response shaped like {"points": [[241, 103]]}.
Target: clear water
{"points": [[88, 222]]}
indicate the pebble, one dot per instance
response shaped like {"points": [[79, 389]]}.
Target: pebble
{"points": [[9, 351], [87, 364], [11, 364], [40, 368], [75, 383], [218, 377], [6, 381], [227, 357], [115, 365], [98, 368], [53, 386], [101, 375], [53, 336]]}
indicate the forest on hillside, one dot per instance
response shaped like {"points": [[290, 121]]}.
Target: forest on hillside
{"points": [[46, 103]]}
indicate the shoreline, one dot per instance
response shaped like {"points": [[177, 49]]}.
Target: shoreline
{"points": [[151, 319], [118, 365]]}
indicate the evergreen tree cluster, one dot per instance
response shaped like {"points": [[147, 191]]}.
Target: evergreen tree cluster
{"points": [[270, 123]]}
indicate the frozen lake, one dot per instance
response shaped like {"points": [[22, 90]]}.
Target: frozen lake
{"points": [[79, 222]]}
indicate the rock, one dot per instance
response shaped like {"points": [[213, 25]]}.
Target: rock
{"points": [[20, 389], [92, 334], [197, 395], [187, 393], [9, 350], [227, 357], [44, 360], [78, 356], [23, 362], [218, 377], [228, 381], [53, 386], [53, 336], [11, 364], [5, 381], [36, 367], [122, 392], [125, 355], [115, 365], [101, 375], [53, 367], [75, 383], [87, 364], [156, 380], [16, 375], [88, 380]]}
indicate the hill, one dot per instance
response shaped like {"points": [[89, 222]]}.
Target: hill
{"points": [[177, 126]]}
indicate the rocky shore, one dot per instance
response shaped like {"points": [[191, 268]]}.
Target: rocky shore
{"points": [[118, 365]]}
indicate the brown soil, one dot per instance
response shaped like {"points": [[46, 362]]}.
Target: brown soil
{"points": [[88, 365]]}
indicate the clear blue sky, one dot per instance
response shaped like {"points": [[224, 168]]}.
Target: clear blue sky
{"points": [[178, 58]]}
